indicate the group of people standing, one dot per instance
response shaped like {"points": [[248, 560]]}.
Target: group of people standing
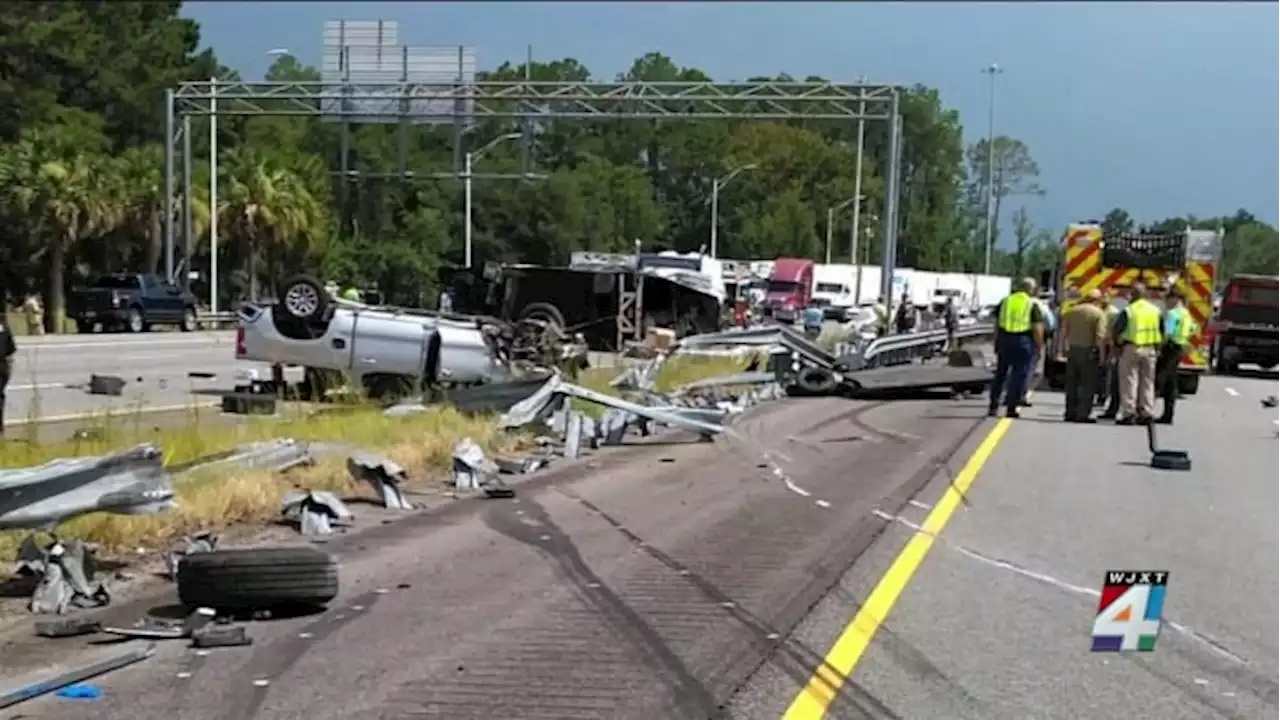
{"points": [[1118, 358]]}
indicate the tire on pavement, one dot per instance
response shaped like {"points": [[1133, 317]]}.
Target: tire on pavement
{"points": [[257, 578], [816, 381], [303, 298], [188, 320]]}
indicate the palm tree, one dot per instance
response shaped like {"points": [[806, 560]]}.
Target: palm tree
{"points": [[271, 213], [59, 180]]}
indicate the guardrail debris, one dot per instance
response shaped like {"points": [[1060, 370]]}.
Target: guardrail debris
{"points": [[383, 474], [55, 681], [66, 580], [315, 512]]}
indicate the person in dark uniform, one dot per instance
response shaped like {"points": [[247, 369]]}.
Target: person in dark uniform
{"points": [[1019, 334], [1109, 387], [1179, 327], [1084, 332], [7, 351]]}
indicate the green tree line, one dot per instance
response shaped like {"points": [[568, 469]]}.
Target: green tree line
{"points": [[81, 175]]}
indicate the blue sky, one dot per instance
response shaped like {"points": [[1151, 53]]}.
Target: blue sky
{"points": [[1161, 108]]}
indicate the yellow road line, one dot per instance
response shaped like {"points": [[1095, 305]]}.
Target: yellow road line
{"points": [[838, 665]]}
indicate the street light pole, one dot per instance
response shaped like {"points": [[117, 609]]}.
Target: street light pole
{"points": [[993, 70], [716, 186], [467, 160], [831, 221], [857, 178]]}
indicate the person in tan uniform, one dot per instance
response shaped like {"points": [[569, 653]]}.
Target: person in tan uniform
{"points": [[1084, 334], [33, 313], [1140, 332]]}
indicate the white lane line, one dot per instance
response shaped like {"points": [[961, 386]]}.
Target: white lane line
{"points": [[920, 505], [1232, 392], [35, 386], [1188, 632]]}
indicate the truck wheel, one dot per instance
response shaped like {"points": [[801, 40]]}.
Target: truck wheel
{"points": [[816, 381], [257, 578], [304, 298], [135, 323], [188, 320], [545, 312]]}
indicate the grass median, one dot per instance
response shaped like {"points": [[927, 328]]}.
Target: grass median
{"points": [[422, 443]]}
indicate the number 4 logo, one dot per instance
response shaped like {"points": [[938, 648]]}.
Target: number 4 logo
{"points": [[1133, 619]]}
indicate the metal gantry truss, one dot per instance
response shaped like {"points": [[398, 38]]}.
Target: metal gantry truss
{"points": [[460, 103]]}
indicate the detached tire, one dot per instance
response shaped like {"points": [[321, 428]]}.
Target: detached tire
{"points": [[257, 578], [816, 381]]}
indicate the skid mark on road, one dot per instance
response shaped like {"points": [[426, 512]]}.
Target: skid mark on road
{"points": [[534, 527], [273, 659]]}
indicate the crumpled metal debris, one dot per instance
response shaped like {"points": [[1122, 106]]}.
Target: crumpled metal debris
{"points": [[540, 404], [204, 541], [276, 455], [157, 629], [383, 474], [130, 482], [640, 376], [67, 580], [62, 677], [316, 512], [472, 469]]}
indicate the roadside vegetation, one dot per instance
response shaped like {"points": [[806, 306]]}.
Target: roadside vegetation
{"points": [[422, 443]]}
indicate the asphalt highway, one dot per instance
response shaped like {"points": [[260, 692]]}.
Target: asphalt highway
{"points": [[51, 373], [644, 583]]}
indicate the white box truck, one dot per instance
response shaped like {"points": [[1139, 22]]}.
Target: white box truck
{"points": [[833, 289]]}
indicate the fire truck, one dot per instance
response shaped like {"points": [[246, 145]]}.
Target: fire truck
{"points": [[1112, 262]]}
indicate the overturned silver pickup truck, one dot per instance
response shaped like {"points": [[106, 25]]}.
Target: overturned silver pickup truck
{"points": [[389, 351]]}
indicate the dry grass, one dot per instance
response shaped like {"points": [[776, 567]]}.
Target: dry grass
{"points": [[17, 322], [422, 443]]}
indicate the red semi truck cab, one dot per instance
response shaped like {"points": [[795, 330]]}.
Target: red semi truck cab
{"points": [[789, 288]]}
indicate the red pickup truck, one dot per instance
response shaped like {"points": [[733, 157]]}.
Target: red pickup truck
{"points": [[1245, 329]]}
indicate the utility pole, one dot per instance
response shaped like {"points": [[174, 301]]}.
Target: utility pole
{"points": [[856, 230], [831, 221], [716, 186], [467, 161], [213, 195], [992, 70]]}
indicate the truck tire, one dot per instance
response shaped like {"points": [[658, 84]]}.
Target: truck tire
{"points": [[816, 381], [303, 298], [135, 321], [188, 323], [257, 578], [545, 312]]}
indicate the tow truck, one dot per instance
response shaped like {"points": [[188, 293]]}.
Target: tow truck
{"points": [[1093, 259]]}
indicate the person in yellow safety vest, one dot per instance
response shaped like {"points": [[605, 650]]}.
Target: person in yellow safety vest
{"points": [[882, 316], [1019, 336], [1141, 337], [1109, 387], [1179, 327], [350, 293]]}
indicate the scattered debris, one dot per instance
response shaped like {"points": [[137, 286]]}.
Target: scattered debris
{"points": [[472, 469], [67, 627], [66, 578], [212, 636], [1269, 401], [155, 629], [58, 680], [131, 482], [316, 512], [383, 474], [80, 692], [111, 385], [204, 541]]}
